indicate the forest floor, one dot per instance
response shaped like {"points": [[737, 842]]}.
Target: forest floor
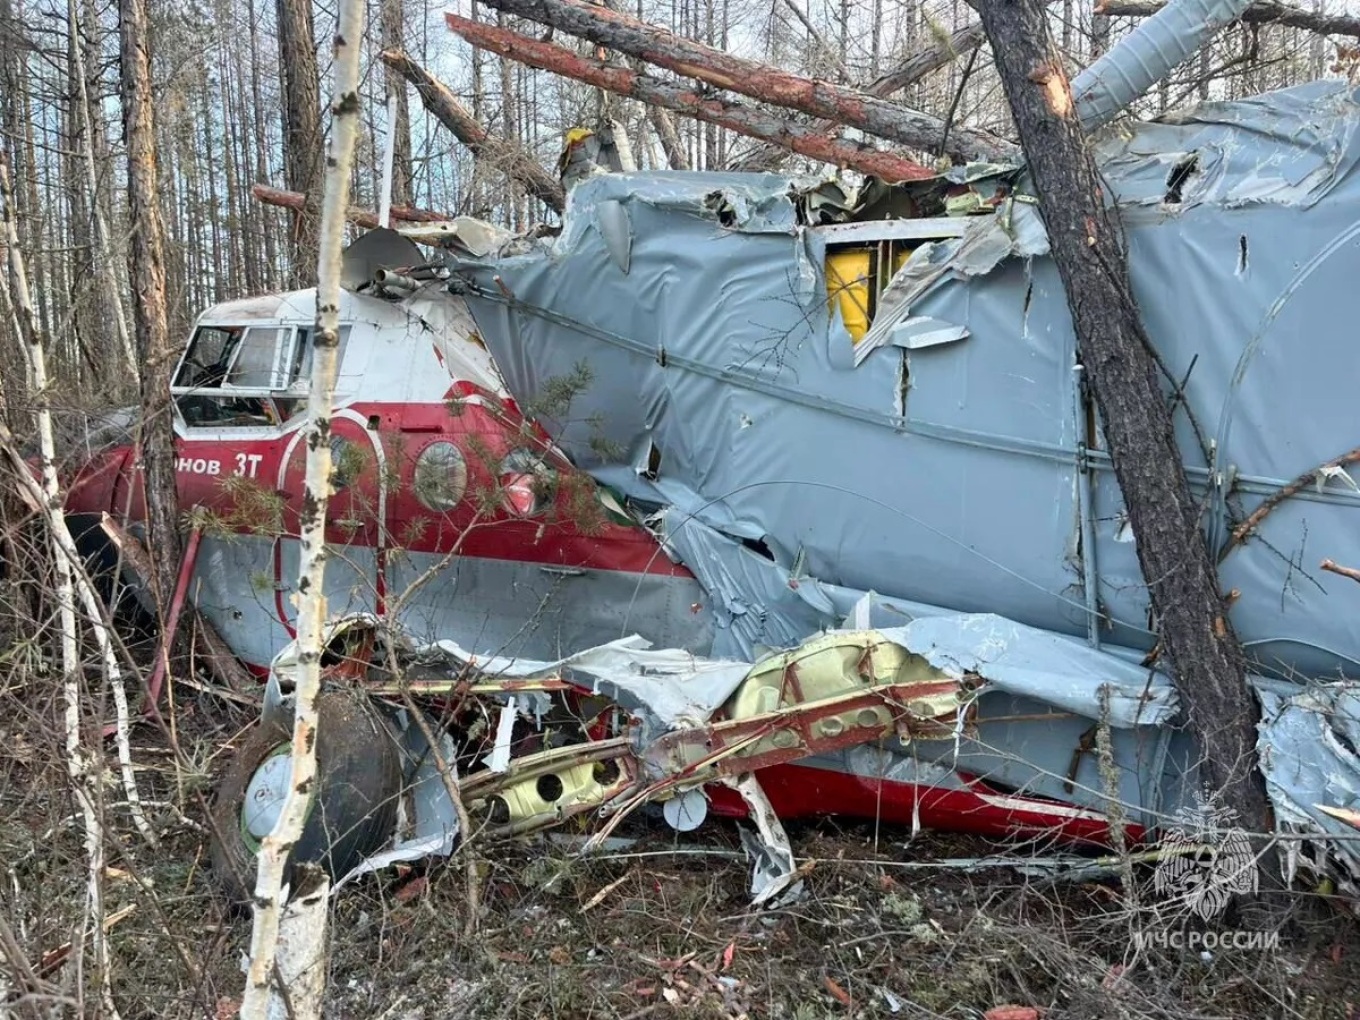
{"points": [[659, 927]]}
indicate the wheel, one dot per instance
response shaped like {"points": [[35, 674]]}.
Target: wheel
{"points": [[351, 815]]}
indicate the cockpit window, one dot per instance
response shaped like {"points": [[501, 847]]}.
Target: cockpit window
{"points": [[244, 376]]}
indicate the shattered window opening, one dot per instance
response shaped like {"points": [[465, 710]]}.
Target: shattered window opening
{"points": [[245, 376]]}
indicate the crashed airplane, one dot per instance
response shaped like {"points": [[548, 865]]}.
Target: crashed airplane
{"points": [[768, 497]]}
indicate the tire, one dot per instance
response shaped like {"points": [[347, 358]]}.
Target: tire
{"points": [[352, 813]]}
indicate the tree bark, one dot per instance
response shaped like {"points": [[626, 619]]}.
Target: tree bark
{"points": [[671, 144], [276, 847], [1263, 12], [746, 120], [845, 106], [147, 272], [303, 142], [1084, 233], [394, 38], [508, 158], [365, 218], [921, 63]]}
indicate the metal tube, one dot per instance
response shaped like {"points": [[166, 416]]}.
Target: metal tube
{"points": [[1147, 55]]}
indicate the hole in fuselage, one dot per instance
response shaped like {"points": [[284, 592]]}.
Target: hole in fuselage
{"points": [[549, 788], [1180, 173]]}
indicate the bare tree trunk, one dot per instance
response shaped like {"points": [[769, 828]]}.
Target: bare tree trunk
{"points": [[147, 271], [745, 120], [507, 159], [81, 767], [365, 218], [103, 254], [276, 847], [303, 143], [671, 144], [1087, 246], [846, 106], [394, 38], [270, 246]]}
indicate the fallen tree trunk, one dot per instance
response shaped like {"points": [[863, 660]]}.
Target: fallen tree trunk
{"points": [[509, 158], [1208, 663], [845, 106], [1263, 12], [920, 64], [910, 71], [743, 119], [365, 218]]}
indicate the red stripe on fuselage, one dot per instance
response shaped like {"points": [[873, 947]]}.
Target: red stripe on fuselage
{"points": [[221, 473]]}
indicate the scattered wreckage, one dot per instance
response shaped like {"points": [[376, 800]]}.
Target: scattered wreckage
{"points": [[769, 497]]}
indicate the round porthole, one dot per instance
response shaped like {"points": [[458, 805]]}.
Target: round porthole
{"points": [[346, 463], [526, 482], [440, 477]]}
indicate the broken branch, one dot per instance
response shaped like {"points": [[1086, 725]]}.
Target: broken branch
{"points": [[354, 214], [508, 157], [1277, 497], [1263, 12], [845, 106], [1337, 568], [743, 119]]}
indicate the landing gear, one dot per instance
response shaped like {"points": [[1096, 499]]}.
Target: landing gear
{"points": [[353, 808]]}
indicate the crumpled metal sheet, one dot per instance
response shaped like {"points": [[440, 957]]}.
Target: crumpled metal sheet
{"points": [[1016, 229], [1290, 147], [675, 687], [950, 475], [1309, 748], [1048, 667]]}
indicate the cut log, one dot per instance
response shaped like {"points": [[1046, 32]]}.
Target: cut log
{"points": [[365, 218], [743, 119], [1209, 669], [508, 157], [1263, 12], [845, 106]]}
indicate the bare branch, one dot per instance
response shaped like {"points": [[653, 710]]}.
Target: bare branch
{"points": [[1263, 12], [921, 63], [365, 218]]}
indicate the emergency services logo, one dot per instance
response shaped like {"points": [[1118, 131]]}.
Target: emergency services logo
{"points": [[1205, 860]]}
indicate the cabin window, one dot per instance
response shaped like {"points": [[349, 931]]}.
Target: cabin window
{"points": [[245, 376]]}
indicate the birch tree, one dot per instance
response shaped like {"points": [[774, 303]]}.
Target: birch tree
{"points": [[80, 764], [276, 847]]}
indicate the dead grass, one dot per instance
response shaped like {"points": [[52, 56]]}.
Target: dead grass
{"points": [[660, 928]]}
